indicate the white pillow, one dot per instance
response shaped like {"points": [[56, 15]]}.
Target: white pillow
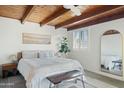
{"points": [[51, 54], [41, 54], [30, 54], [46, 54]]}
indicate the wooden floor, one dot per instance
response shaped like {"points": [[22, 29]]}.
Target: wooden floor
{"points": [[114, 82]]}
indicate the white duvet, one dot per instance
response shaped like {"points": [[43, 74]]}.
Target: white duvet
{"points": [[36, 70]]}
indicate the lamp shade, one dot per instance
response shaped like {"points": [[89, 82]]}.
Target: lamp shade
{"points": [[13, 58]]}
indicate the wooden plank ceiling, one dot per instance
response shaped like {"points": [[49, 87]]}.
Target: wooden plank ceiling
{"points": [[58, 16]]}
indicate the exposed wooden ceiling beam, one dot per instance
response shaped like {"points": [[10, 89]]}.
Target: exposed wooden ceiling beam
{"points": [[94, 22], [56, 14], [113, 14], [92, 12], [27, 13]]}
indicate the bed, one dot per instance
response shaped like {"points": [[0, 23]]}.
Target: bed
{"points": [[36, 67]]}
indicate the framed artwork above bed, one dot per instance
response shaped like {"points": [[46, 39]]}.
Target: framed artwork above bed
{"points": [[31, 38]]}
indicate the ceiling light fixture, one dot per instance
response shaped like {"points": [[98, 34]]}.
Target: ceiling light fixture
{"points": [[75, 9]]}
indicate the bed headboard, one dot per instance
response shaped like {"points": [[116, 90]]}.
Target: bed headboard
{"points": [[34, 54], [19, 55]]}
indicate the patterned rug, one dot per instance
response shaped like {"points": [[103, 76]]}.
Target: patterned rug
{"points": [[13, 82], [19, 82]]}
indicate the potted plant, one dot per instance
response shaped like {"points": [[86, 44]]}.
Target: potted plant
{"points": [[63, 47]]}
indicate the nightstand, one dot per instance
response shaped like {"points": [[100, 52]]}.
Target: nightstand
{"points": [[9, 69]]}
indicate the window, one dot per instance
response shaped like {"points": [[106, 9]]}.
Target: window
{"points": [[80, 39]]}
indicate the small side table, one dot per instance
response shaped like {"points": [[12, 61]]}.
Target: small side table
{"points": [[9, 68]]}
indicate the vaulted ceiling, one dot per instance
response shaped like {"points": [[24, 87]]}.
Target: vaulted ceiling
{"points": [[58, 16]]}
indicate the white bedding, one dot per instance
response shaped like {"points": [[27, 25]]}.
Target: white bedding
{"points": [[36, 70]]}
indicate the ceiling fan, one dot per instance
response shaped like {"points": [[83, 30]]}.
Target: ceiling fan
{"points": [[76, 9]]}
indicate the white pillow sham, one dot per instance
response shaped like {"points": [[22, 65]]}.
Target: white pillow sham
{"points": [[29, 54], [46, 54]]}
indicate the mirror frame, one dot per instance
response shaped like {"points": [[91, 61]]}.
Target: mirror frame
{"points": [[115, 32]]}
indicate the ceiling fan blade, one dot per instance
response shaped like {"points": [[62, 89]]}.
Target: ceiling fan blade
{"points": [[75, 9], [68, 6]]}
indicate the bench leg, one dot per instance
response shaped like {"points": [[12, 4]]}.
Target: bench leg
{"points": [[83, 84], [54, 86], [82, 80], [75, 81], [50, 86]]}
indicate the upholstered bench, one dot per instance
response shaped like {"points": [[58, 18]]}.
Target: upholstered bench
{"points": [[71, 75]]}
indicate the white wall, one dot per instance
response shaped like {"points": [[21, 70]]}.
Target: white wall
{"points": [[90, 57], [11, 37]]}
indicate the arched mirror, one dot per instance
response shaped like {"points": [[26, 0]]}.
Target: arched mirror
{"points": [[111, 52]]}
